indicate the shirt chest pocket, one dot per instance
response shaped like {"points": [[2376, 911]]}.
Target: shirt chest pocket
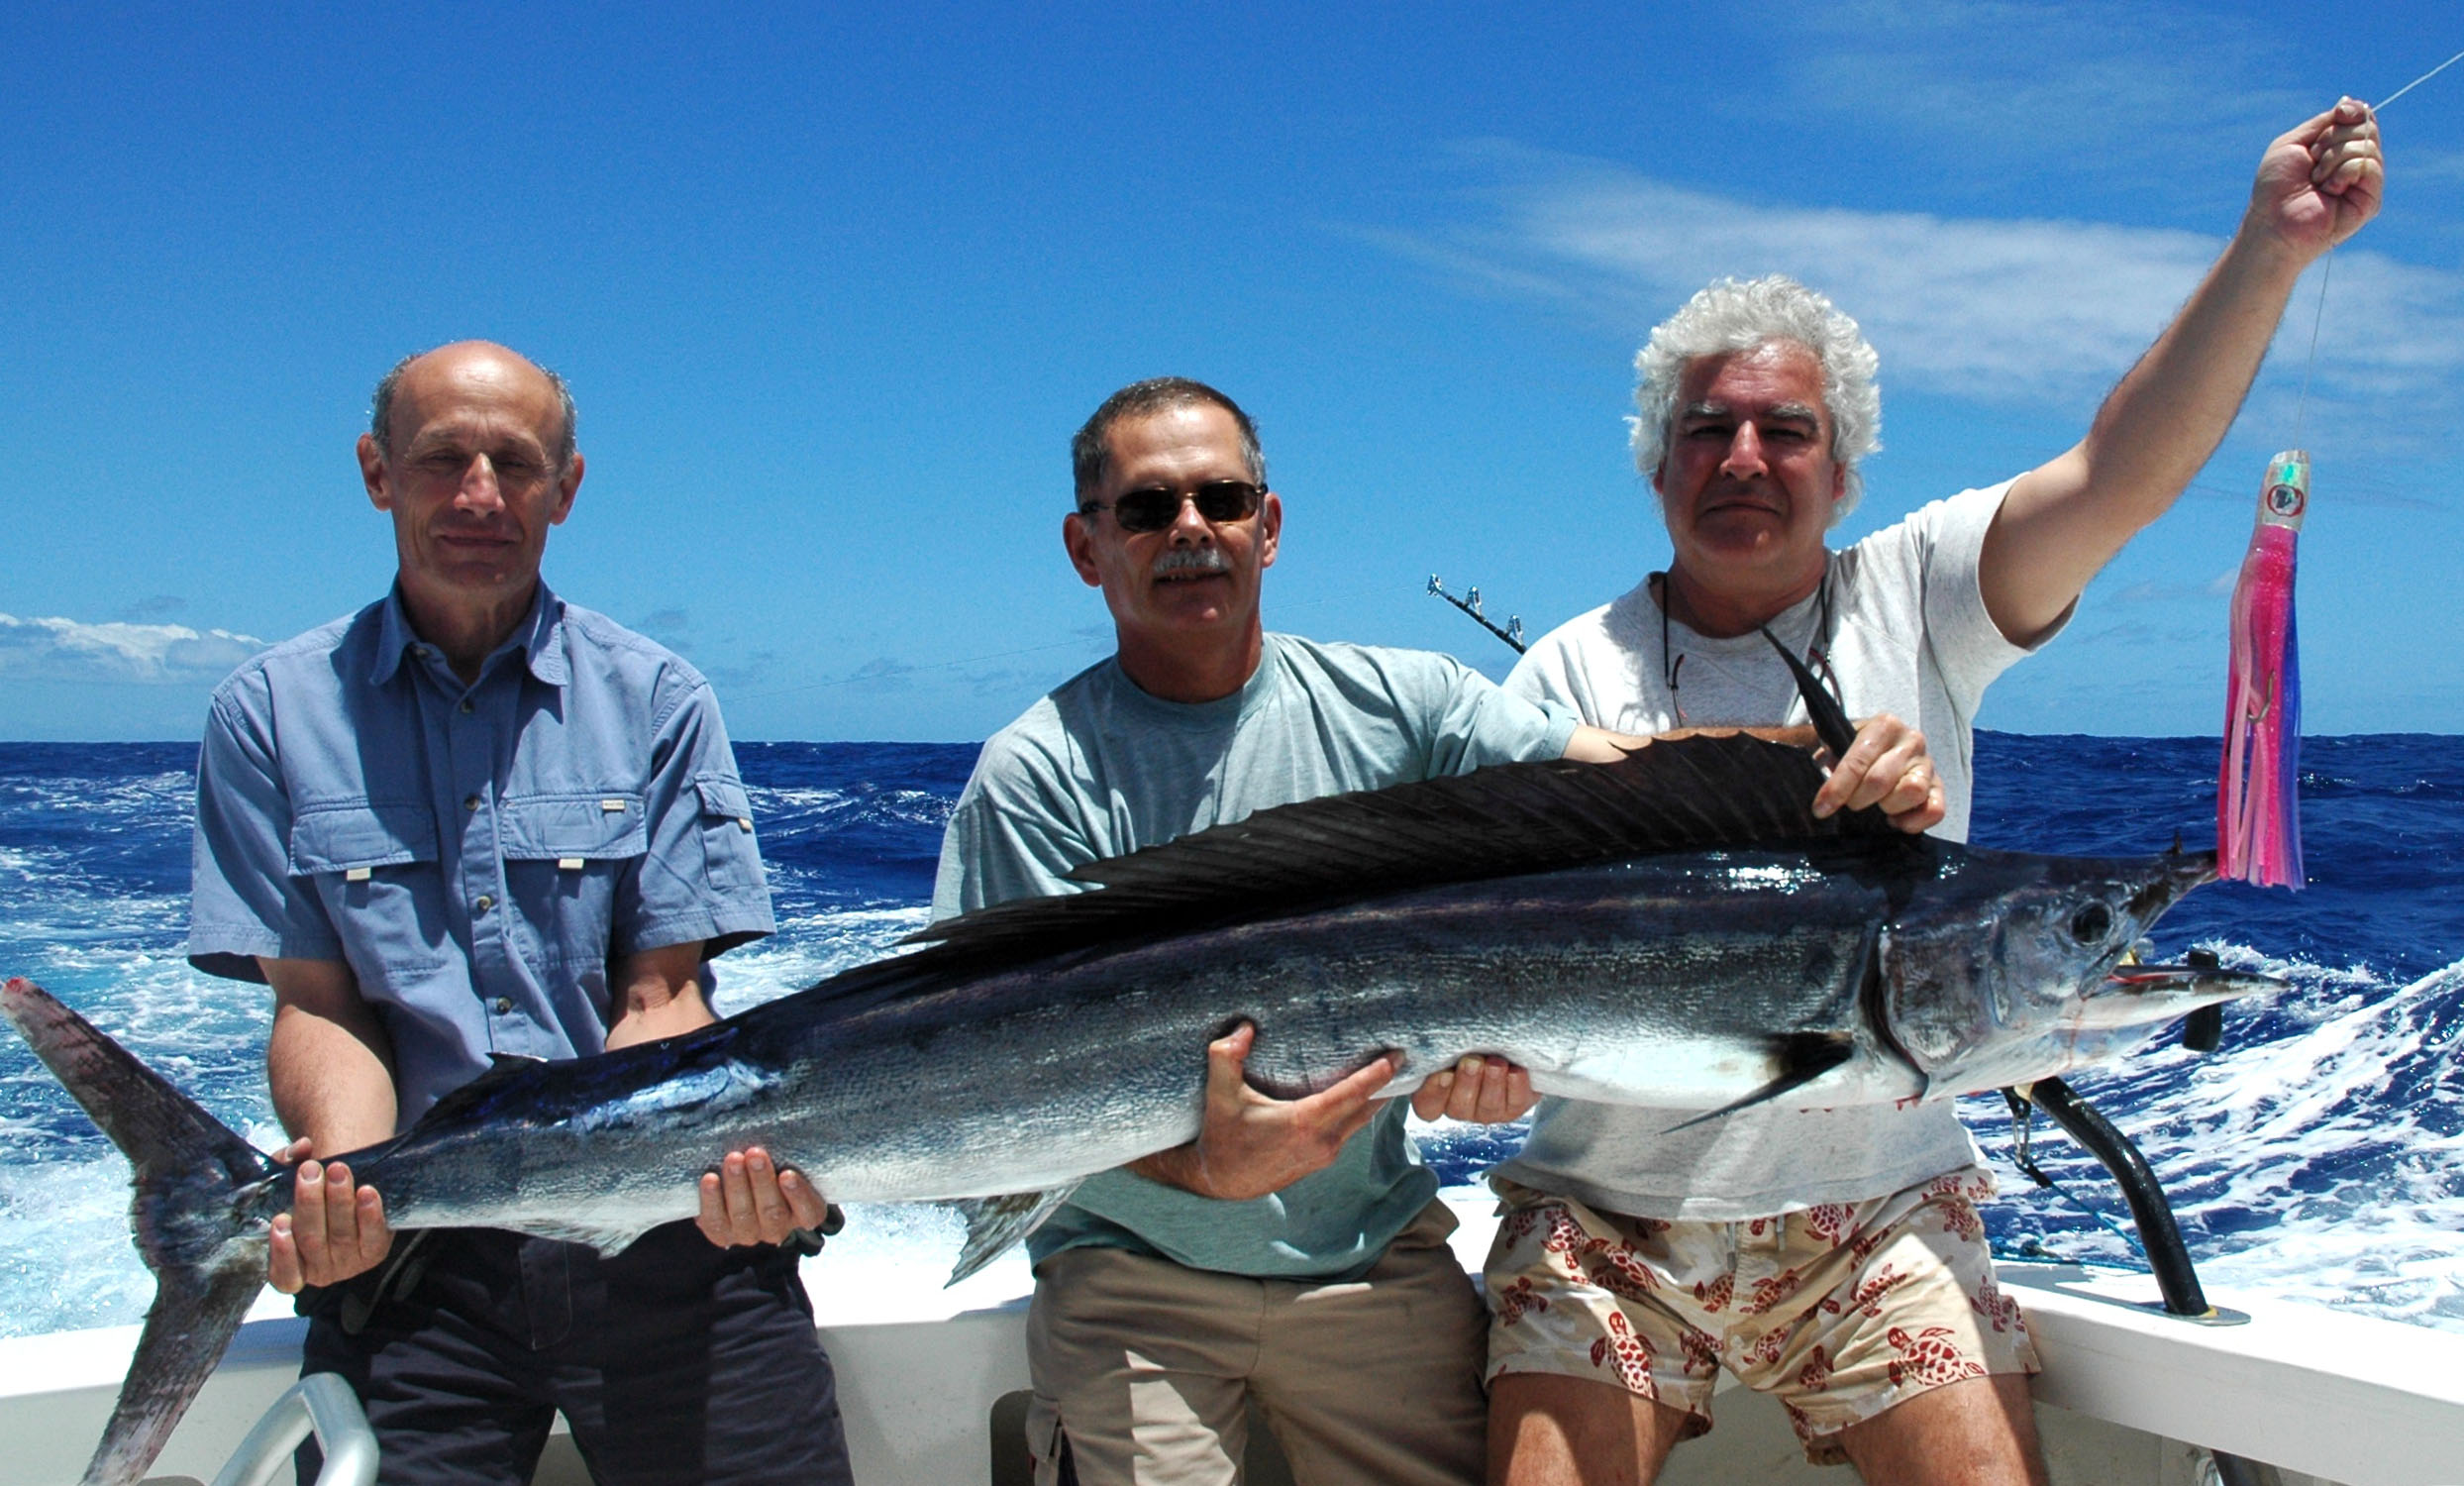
{"points": [[374, 867], [567, 859]]}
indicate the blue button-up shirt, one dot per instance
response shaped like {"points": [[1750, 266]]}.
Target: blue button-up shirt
{"points": [[476, 853]]}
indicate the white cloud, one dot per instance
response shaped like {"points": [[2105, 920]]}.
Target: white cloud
{"points": [[2086, 88], [68, 649], [2429, 167], [2016, 311]]}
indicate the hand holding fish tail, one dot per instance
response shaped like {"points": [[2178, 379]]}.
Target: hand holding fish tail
{"points": [[1889, 769], [749, 1199], [1479, 1090], [2320, 180], [334, 1231], [1250, 1143]]}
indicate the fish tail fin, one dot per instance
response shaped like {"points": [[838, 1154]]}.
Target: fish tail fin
{"points": [[2258, 808], [195, 1314], [189, 1221]]}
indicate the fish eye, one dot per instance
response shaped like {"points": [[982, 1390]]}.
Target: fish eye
{"points": [[2092, 924]]}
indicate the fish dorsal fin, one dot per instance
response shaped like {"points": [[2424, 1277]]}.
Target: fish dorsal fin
{"points": [[1686, 793], [994, 1224], [1691, 794]]}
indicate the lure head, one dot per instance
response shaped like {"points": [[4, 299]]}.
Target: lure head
{"points": [[2284, 495]]}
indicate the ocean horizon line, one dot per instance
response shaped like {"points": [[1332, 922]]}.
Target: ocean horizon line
{"points": [[747, 742]]}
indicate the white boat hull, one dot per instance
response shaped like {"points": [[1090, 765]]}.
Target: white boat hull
{"points": [[2129, 1395]]}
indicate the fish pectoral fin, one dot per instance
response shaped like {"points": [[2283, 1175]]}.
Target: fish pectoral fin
{"points": [[1802, 1057], [994, 1224]]}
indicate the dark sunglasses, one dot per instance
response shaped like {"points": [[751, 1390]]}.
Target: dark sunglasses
{"points": [[1154, 508]]}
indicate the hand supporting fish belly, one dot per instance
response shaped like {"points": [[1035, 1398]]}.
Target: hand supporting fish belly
{"points": [[1248, 1142]]}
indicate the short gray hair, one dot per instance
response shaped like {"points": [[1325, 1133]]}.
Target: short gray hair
{"points": [[380, 405], [1739, 315], [1090, 449]]}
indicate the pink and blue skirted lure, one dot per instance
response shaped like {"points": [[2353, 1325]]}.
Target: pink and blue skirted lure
{"points": [[2258, 824]]}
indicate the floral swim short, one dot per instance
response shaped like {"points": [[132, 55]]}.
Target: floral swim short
{"points": [[1840, 1310]]}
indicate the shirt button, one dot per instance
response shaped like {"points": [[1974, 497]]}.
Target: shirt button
{"points": [[471, 803], [484, 904], [504, 1004], [466, 708]]}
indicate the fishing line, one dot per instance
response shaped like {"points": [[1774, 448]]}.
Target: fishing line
{"points": [[2328, 267], [2417, 82], [2318, 315], [2022, 1128]]}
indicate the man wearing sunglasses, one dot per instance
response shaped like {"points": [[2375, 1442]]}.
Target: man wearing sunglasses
{"points": [[1294, 1254]]}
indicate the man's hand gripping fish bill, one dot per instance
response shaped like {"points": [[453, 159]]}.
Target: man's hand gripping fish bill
{"points": [[1677, 928]]}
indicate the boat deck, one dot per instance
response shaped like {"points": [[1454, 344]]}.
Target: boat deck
{"points": [[2129, 1395]]}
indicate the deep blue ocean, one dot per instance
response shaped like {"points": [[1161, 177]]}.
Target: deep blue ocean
{"points": [[2318, 1154]]}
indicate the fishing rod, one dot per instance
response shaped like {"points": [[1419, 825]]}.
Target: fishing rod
{"points": [[1469, 603]]}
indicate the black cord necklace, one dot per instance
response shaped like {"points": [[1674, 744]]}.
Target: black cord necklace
{"points": [[1817, 652]]}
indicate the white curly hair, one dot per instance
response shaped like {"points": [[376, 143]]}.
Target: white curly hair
{"points": [[1739, 315]]}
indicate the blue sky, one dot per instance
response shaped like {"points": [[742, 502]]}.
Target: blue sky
{"points": [[834, 285]]}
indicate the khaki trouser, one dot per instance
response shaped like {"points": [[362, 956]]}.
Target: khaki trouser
{"points": [[1143, 1369]]}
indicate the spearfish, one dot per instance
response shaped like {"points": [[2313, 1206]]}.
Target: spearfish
{"points": [[1675, 929]]}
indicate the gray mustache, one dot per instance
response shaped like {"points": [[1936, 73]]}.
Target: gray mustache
{"points": [[1192, 560]]}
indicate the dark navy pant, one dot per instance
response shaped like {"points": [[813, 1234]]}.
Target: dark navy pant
{"points": [[676, 1361]]}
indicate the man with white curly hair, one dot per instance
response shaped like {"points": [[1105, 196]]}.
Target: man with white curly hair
{"points": [[1835, 1257]]}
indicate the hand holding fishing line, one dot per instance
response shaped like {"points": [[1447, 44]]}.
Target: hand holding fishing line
{"points": [[2320, 180]]}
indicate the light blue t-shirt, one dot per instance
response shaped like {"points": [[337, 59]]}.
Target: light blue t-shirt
{"points": [[1099, 769], [474, 853]]}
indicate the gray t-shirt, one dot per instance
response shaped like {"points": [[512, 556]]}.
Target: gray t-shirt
{"points": [[1099, 768], [1909, 636]]}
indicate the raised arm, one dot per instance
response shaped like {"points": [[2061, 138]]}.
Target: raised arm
{"points": [[2061, 522]]}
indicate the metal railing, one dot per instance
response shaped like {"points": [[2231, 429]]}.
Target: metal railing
{"points": [[319, 1403]]}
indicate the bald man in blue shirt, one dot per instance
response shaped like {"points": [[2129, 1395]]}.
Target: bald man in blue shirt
{"points": [[473, 820]]}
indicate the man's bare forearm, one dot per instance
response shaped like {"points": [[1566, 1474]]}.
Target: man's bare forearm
{"points": [[658, 994], [2167, 417], [328, 1061]]}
